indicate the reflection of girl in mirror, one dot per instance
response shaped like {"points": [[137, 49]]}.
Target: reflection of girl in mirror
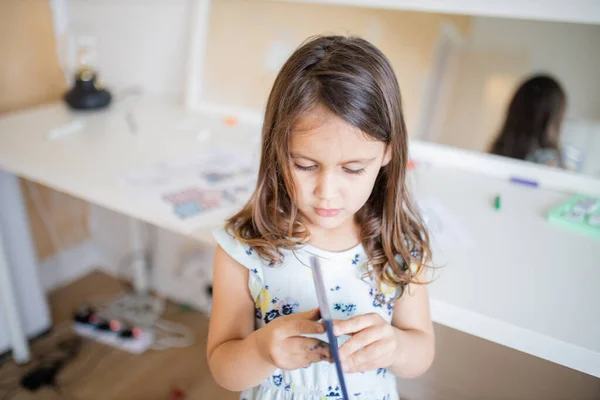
{"points": [[532, 126]]}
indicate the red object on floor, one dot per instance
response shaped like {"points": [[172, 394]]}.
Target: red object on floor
{"points": [[177, 394]]}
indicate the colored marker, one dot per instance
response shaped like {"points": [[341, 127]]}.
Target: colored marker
{"points": [[523, 181], [497, 202]]}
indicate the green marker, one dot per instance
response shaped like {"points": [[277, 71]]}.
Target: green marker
{"points": [[497, 202]]}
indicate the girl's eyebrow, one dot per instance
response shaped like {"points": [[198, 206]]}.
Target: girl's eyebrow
{"points": [[356, 161]]}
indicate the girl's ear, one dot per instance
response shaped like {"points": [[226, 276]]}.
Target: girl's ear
{"points": [[387, 157]]}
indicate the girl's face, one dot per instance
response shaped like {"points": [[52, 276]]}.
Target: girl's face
{"points": [[334, 167]]}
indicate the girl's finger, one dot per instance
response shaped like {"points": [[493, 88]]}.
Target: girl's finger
{"points": [[311, 315], [364, 356], [308, 358], [370, 365], [355, 324], [302, 323], [299, 327], [358, 341], [309, 345]]}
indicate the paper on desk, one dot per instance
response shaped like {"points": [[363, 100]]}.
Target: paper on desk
{"points": [[184, 189], [445, 231], [216, 166]]}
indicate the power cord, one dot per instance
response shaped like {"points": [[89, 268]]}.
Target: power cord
{"points": [[144, 311]]}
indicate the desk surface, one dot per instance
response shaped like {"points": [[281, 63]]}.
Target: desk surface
{"points": [[90, 162], [524, 283]]}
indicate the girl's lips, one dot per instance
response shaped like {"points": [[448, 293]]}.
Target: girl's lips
{"points": [[327, 212]]}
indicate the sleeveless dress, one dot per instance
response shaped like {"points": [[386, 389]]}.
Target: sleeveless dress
{"points": [[287, 288]]}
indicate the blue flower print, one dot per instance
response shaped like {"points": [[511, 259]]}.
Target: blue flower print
{"points": [[390, 308], [356, 394], [258, 313], [288, 387], [249, 250], [382, 372], [287, 309], [288, 306], [355, 259], [380, 300], [335, 289], [348, 309], [277, 380], [271, 315], [254, 270], [331, 392]]}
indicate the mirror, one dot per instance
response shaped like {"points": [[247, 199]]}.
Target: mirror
{"points": [[458, 73], [518, 88]]}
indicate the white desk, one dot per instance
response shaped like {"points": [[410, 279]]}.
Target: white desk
{"points": [[87, 164], [525, 283], [537, 296]]}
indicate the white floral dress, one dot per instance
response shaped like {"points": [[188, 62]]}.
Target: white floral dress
{"points": [[287, 289]]}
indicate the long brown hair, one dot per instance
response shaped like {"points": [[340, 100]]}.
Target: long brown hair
{"points": [[354, 80], [533, 119]]}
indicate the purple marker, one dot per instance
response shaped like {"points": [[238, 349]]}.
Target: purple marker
{"points": [[522, 181]]}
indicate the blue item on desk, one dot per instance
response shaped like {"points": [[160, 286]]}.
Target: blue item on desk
{"points": [[523, 181]]}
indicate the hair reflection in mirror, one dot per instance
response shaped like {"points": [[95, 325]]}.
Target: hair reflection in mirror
{"points": [[533, 120]]}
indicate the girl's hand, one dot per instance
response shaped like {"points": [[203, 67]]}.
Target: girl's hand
{"points": [[372, 345], [281, 344]]}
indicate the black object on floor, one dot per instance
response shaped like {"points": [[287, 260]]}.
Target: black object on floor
{"points": [[42, 376]]}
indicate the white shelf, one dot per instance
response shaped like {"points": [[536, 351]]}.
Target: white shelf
{"points": [[581, 11]]}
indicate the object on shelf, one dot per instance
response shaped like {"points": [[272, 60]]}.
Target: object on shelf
{"points": [[580, 212]]}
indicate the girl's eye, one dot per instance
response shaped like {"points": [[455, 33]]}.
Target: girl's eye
{"points": [[355, 171], [303, 168]]}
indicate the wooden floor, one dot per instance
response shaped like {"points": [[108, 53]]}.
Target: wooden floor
{"points": [[102, 372], [466, 367]]}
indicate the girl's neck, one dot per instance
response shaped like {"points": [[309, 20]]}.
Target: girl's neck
{"points": [[337, 239]]}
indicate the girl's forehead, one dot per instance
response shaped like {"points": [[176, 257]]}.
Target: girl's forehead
{"points": [[321, 124], [324, 133]]}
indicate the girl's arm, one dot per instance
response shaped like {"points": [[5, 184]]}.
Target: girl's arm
{"points": [[240, 357], [413, 329], [406, 347]]}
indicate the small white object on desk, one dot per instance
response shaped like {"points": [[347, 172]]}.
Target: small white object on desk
{"points": [[594, 220], [586, 206], [67, 129]]}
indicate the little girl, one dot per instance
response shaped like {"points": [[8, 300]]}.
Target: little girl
{"points": [[332, 184], [531, 129]]}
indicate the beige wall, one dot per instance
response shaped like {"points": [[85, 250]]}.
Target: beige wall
{"points": [[483, 86], [243, 31], [29, 76]]}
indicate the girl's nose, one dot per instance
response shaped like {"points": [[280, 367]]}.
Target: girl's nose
{"points": [[325, 188]]}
